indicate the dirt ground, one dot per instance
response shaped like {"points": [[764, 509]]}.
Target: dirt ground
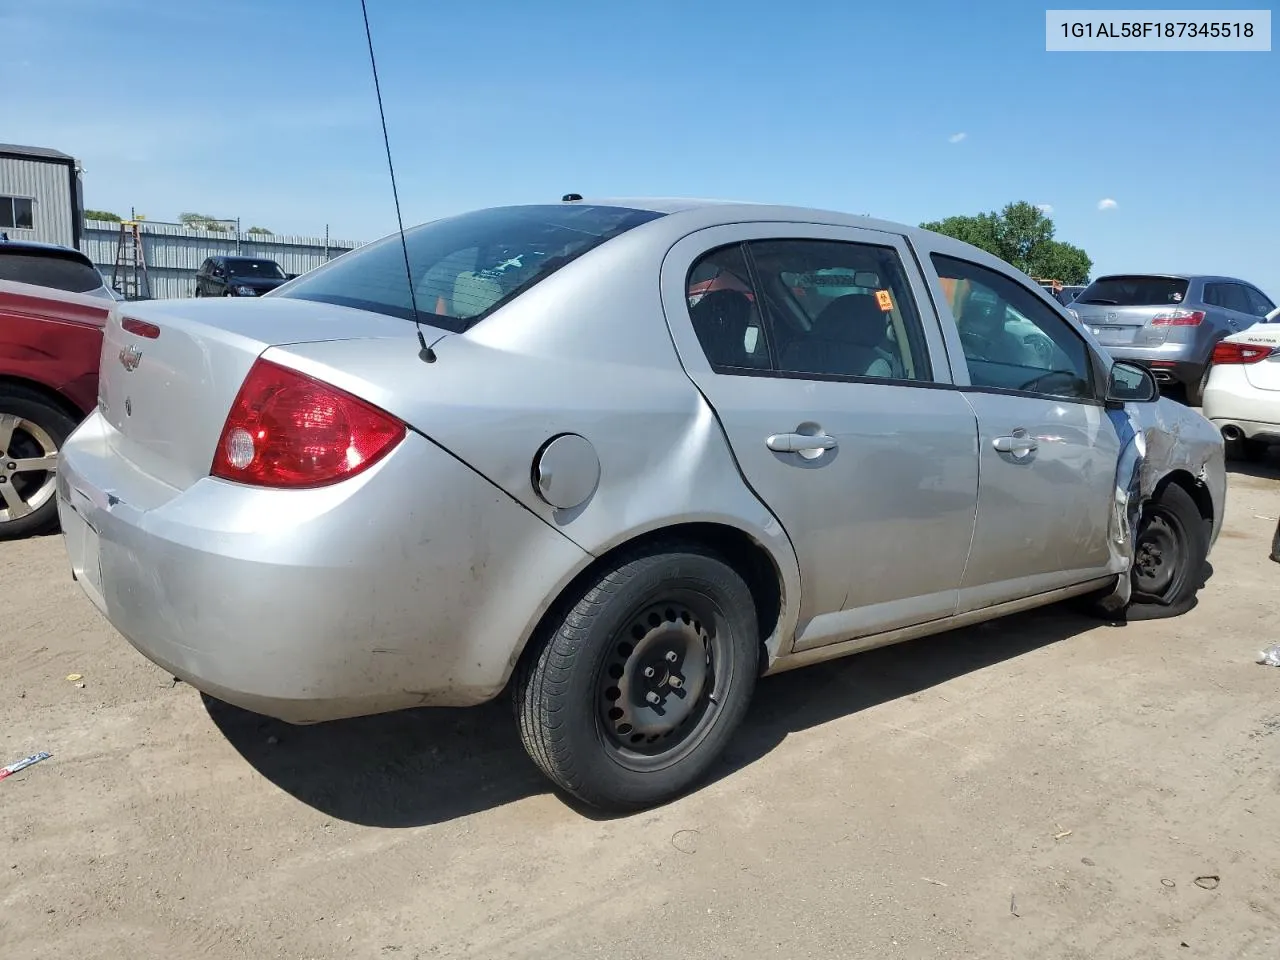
{"points": [[1042, 787]]}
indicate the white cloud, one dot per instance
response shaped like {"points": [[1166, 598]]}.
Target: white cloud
{"points": [[957, 137], [1107, 204], [1045, 208]]}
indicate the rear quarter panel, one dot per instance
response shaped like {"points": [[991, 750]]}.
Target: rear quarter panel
{"points": [[52, 339]]}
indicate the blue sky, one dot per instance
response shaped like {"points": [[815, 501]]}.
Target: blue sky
{"points": [[265, 110]]}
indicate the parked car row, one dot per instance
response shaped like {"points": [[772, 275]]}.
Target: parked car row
{"points": [[1169, 323]]}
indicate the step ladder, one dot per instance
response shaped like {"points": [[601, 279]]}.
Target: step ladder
{"points": [[129, 275]]}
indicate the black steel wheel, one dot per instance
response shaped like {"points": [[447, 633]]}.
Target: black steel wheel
{"points": [[631, 695], [1170, 549]]}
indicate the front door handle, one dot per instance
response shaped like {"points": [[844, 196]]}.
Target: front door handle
{"points": [[1019, 445], [800, 442]]}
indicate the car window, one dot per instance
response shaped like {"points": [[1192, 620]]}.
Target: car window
{"points": [[464, 267], [1012, 340], [1213, 295], [1134, 291], [1260, 305], [723, 308], [834, 308], [61, 272], [1235, 298], [255, 269]]}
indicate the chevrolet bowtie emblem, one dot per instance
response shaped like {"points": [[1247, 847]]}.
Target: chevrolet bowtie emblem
{"points": [[130, 357]]}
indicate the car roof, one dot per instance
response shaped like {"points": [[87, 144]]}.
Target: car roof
{"points": [[683, 216], [49, 249], [712, 212]]}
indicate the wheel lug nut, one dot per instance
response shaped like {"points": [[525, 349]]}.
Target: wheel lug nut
{"points": [[675, 682], [671, 656], [648, 672], [652, 697]]}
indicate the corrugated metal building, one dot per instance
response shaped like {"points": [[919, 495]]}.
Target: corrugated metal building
{"points": [[40, 195]]}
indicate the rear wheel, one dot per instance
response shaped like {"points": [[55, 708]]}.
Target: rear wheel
{"points": [[1195, 391], [633, 693], [32, 430], [1169, 556]]}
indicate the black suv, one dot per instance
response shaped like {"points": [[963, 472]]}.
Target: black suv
{"points": [[238, 277]]}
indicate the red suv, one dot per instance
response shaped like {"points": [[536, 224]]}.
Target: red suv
{"points": [[50, 341]]}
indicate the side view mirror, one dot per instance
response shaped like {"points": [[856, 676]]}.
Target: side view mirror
{"points": [[1130, 383]]}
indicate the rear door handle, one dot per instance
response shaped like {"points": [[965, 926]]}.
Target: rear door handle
{"points": [[800, 442], [1019, 445]]}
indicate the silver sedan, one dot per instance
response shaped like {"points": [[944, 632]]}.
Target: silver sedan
{"points": [[618, 459]]}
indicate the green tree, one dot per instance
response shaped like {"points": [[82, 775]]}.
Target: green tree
{"points": [[198, 221], [101, 215], [1023, 236], [260, 231]]}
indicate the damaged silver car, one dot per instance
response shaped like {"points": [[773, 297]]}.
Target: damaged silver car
{"points": [[618, 459]]}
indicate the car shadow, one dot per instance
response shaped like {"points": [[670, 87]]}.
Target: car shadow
{"points": [[1266, 467], [427, 766]]}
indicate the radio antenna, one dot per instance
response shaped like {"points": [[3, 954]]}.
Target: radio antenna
{"points": [[425, 353]]}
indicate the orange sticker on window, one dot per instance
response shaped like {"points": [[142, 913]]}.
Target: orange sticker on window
{"points": [[885, 301]]}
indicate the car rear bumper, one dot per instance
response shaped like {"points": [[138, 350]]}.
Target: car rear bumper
{"points": [[1231, 401], [1169, 362], [413, 584]]}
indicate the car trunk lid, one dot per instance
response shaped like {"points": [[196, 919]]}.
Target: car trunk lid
{"points": [[170, 370]]}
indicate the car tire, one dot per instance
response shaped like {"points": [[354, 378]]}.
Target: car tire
{"points": [[1170, 554], [30, 427], [636, 686], [1195, 391]]}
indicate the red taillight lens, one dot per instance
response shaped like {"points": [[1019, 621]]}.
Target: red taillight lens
{"points": [[1227, 352], [286, 429], [1179, 318]]}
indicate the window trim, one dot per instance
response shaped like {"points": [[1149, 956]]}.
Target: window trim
{"points": [[921, 358], [1096, 373]]}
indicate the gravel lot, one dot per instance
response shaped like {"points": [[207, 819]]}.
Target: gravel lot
{"points": [[1046, 786]]}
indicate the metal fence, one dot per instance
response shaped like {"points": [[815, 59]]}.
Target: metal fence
{"points": [[173, 253]]}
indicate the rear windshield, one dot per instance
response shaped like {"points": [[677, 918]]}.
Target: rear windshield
{"points": [[56, 270], [248, 269], [464, 267], [1134, 291]]}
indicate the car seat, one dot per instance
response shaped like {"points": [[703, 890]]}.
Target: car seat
{"points": [[850, 337]]}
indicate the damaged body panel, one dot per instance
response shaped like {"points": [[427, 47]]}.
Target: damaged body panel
{"points": [[1161, 442]]}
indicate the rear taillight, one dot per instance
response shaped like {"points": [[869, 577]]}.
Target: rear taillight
{"points": [[1228, 352], [1179, 318], [286, 429]]}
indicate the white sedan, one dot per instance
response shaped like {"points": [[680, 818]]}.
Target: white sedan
{"points": [[1242, 396]]}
